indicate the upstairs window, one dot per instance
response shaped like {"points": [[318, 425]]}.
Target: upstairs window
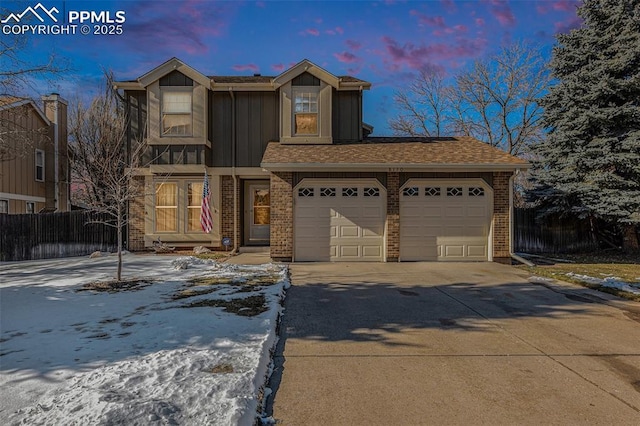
{"points": [[305, 111], [176, 113], [39, 165]]}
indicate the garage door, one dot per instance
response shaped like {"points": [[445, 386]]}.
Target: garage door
{"points": [[445, 220], [339, 221]]}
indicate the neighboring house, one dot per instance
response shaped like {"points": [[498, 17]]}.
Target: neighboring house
{"points": [[292, 167], [34, 165]]}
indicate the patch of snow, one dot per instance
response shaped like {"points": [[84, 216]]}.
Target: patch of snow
{"points": [[543, 280], [132, 357], [611, 282]]}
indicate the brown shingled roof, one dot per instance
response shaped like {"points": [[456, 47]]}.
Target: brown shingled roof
{"points": [[462, 152], [239, 79]]}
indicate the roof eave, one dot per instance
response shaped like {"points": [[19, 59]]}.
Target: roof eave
{"points": [[392, 167]]}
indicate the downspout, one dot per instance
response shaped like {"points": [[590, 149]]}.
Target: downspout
{"points": [[511, 227], [233, 171]]}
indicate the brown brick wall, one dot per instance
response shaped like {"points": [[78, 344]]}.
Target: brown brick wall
{"points": [[282, 216], [137, 216], [393, 216], [227, 209], [501, 215]]}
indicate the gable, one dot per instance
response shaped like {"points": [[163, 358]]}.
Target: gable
{"points": [[176, 78], [305, 79]]}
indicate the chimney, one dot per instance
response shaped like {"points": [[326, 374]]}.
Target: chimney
{"points": [[55, 109]]}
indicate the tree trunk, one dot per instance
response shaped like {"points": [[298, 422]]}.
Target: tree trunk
{"points": [[119, 275], [630, 238]]}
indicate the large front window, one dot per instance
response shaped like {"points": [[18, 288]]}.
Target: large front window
{"points": [[176, 113], [166, 207], [194, 195], [305, 111]]}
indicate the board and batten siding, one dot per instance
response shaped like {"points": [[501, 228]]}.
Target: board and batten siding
{"points": [[346, 116], [256, 125]]}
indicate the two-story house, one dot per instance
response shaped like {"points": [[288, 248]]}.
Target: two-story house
{"points": [[292, 166], [34, 164]]}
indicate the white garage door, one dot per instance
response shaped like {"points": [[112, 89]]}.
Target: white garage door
{"points": [[445, 220], [339, 221]]}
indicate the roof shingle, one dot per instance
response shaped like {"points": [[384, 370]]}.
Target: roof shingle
{"points": [[454, 151]]}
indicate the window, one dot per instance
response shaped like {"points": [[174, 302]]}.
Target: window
{"points": [[305, 192], [371, 192], [305, 111], [327, 192], [411, 191], [31, 207], [176, 113], [349, 192], [476, 192], [166, 207], [432, 191], [194, 202], [454, 192], [4, 206], [39, 165]]}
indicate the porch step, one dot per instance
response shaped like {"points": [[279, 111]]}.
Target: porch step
{"points": [[253, 249]]}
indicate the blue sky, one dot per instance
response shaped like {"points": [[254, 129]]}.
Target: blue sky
{"points": [[384, 42]]}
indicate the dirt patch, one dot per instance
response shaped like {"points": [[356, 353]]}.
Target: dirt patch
{"points": [[222, 368], [186, 293], [246, 307], [115, 286]]}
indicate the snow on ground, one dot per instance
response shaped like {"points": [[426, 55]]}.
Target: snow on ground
{"points": [[612, 282], [156, 354]]}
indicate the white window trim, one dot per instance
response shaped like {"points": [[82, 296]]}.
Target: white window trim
{"points": [[305, 89], [26, 209], [185, 89], [36, 164], [3, 200]]}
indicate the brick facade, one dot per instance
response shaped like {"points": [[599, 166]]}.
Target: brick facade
{"points": [[393, 216], [282, 216], [501, 212], [226, 215], [137, 216]]}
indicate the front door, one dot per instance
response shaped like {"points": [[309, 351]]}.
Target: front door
{"points": [[257, 213]]}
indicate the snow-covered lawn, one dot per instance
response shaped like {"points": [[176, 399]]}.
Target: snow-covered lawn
{"points": [[178, 349]]}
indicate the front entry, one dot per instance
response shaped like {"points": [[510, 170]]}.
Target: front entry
{"points": [[257, 212]]}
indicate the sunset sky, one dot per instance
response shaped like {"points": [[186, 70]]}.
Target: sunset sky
{"points": [[383, 42]]}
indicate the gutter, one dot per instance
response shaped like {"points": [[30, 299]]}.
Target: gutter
{"points": [[395, 167]]}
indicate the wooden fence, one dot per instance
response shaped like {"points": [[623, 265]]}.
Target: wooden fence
{"points": [[50, 235], [551, 234]]}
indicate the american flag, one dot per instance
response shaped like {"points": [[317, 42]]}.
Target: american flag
{"points": [[205, 211]]}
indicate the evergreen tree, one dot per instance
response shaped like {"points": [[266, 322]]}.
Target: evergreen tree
{"points": [[590, 162]]}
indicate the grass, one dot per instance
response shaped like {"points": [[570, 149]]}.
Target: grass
{"points": [[246, 307], [599, 265], [115, 286]]}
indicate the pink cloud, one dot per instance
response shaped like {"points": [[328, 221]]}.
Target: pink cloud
{"points": [[566, 6], [248, 67], [278, 67], [480, 22], [502, 12], [312, 31], [330, 32], [347, 57], [432, 21], [353, 45], [424, 56], [339, 30]]}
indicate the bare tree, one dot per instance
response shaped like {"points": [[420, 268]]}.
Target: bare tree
{"points": [[496, 100], [424, 106], [102, 170], [18, 73]]}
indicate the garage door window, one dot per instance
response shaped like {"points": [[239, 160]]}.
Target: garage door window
{"points": [[454, 192], [371, 192], [305, 192], [476, 192], [432, 192], [349, 192], [327, 192], [411, 191]]}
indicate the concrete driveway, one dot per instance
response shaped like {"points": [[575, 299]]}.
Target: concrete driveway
{"points": [[463, 343]]}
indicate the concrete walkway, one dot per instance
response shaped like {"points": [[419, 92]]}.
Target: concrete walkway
{"points": [[434, 343]]}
